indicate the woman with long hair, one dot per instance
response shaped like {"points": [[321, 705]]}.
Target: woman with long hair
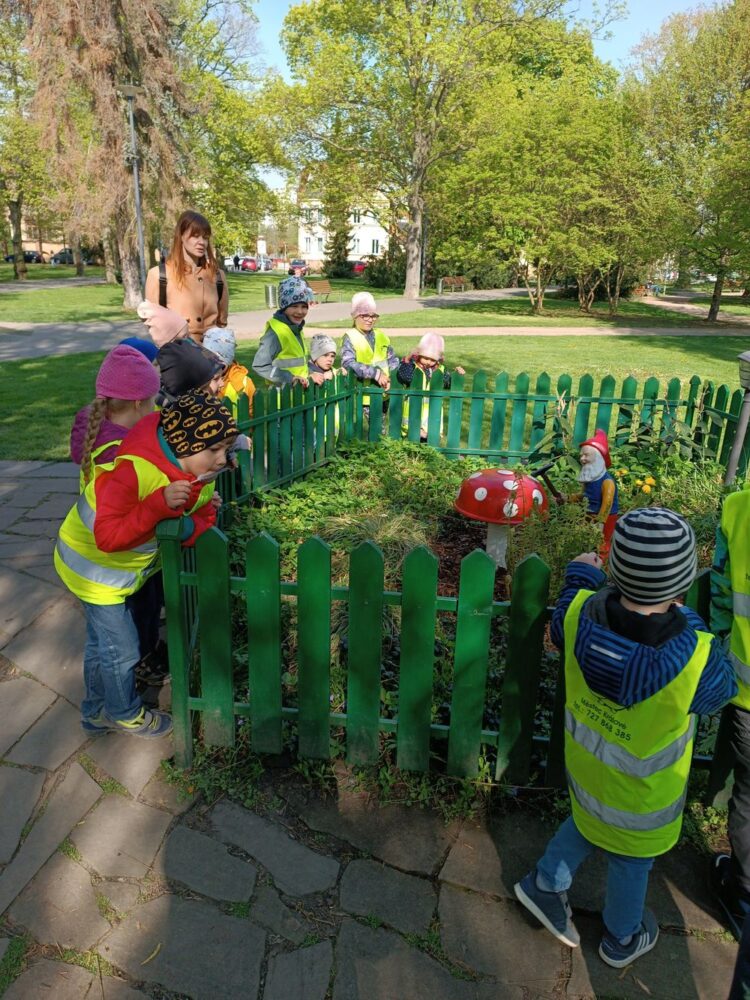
{"points": [[189, 282]]}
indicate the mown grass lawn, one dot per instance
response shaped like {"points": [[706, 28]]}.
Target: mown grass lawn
{"points": [[731, 305], [516, 312], [39, 272], [41, 396]]}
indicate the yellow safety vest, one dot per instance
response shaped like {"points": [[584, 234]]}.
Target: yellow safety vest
{"points": [[98, 577], [92, 462], [289, 357], [735, 522], [424, 418], [376, 356], [628, 767]]}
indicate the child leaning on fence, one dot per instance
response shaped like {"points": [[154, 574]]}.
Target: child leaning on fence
{"points": [[282, 357], [639, 668], [107, 552], [366, 349], [235, 380], [429, 359]]}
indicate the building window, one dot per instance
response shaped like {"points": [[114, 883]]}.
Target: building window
{"points": [[320, 215], [308, 244], [355, 244], [376, 246], [320, 244], [307, 212], [356, 216]]}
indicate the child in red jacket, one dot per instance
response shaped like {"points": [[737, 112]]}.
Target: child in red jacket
{"points": [[107, 550]]}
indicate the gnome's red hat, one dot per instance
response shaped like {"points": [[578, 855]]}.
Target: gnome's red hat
{"points": [[599, 441]]}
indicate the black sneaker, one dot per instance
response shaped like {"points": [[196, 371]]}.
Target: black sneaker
{"points": [[618, 955], [724, 888]]}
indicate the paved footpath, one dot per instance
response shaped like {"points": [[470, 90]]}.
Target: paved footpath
{"points": [[314, 899]]}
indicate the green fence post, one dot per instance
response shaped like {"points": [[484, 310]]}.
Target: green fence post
{"points": [[418, 609], [528, 614], [263, 596], [365, 650], [539, 414], [717, 420], [178, 641], [273, 424], [375, 421], [435, 410], [414, 406], [583, 409], [396, 411], [626, 410], [214, 610], [286, 432], [311, 403], [314, 646], [298, 429], [499, 408], [650, 395], [696, 385], [455, 415], [604, 410], [260, 438], [475, 593], [518, 416], [671, 407], [476, 410], [730, 426]]}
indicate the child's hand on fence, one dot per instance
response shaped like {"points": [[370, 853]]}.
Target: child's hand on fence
{"points": [[216, 501], [591, 558], [300, 381], [177, 494], [317, 377], [383, 380]]}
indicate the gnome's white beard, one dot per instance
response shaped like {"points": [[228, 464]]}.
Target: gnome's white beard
{"points": [[592, 471]]}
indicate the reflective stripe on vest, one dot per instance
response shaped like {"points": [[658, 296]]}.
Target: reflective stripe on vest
{"points": [[117, 579], [375, 356], [289, 357], [628, 767], [735, 522], [88, 515]]}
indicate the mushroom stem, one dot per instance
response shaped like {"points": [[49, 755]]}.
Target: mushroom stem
{"points": [[497, 543]]}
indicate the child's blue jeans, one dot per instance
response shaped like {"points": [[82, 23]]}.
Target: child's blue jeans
{"points": [[109, 660], [627, 878]]}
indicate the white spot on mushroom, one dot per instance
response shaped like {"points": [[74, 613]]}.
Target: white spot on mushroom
{"points": [[537, 496], [510, 509], [475, 475], [510, 484], [480, 494], [504, 472]]}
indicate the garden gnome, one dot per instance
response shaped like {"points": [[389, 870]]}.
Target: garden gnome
{"points": [[599, 486]]}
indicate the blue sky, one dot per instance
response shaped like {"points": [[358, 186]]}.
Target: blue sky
{"points": [[643, 17]]}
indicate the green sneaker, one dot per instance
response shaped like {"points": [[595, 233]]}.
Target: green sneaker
{"points": [[148, 724]]}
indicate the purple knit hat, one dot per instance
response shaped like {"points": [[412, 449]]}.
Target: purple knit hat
{"points": [[126, 374]]}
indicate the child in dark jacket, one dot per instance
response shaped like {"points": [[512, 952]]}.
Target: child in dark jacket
{"points": [[429, 359], [639, 668]]}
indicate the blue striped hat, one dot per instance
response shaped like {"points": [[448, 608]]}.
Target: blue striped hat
{"points": [[653, 556]]}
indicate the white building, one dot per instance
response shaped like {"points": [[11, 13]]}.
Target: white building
{"points": [[367, 235]]}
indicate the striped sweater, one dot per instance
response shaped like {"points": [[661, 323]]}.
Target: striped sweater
{"points": [[627, 671]]}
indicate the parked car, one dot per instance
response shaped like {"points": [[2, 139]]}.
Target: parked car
{"points": [[264, 263], [358, 266], [29, 256], [298, 267], [248, 264], [64, 256]]}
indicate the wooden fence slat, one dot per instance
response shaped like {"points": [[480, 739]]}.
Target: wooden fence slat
{"points": [[179, 619], [435, 410], [730, 425], [214, 609], [518, 414], [455, 413], [671, 411], [314, 644], [692, 400], [474, 618], [499, 409], [285, 432], [539, 413], [298, 428], [311, 400], [415, 407], [583, 409], [335, 416], [564, 386], [259, 434], [263, 598], [365, 653], [702, 423], [604, 409], [274, 463], [353, 409], [418, 609], [395, 413], [528, 612], [476, 410], [375, 421], [650, 395], [626, 410], [716, 422]]}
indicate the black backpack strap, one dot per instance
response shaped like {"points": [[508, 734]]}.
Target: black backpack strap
{"points": [[219, 287], [162, 283]]}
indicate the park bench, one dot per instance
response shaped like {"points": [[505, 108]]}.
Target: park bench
{"points": [[457, 283], [321, 287]]}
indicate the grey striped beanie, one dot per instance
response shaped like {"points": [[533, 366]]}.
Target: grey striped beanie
{"points": [[653, 556]]}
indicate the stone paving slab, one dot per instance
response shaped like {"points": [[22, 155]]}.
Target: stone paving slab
{"points": [[53, 650], [41, 571], [52, 739], [55, 470], [59, 906], [376, 964], [131, 762], [163, 795], [302, 974], [112, 989], [55, 507], [495, 939], [45, 980], [35, 529], [27, 495], [679, 968], [9, 516], [121, 837], [13, 547], [295, 869], [406, 902], [203, 953], [268, 911], [413, 840], [19, 793], [69, 802], [205, 866], [22, 701], [11, 469], [122, 895], [22, 600]]}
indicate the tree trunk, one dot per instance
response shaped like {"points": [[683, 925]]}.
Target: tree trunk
{"points": [[131, 279], [414, 245], [110, 270], [713, 312], [613, 294], [20, 270], [77, 255]]}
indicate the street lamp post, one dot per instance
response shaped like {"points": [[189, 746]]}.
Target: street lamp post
{"points": [[130, 93]]}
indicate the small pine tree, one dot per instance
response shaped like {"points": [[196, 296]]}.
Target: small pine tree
{"points": [[337, 248]]}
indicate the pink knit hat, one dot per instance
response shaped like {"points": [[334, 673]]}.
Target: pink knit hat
{"points": [[164, 325], [126, 374], [431, 346], [363, 304]]}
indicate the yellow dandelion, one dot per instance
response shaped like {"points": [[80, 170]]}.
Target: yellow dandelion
{"points": [[624, 472], [646, 488], [650, 481], [639, 482]]}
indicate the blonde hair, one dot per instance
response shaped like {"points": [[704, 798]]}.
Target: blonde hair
{"points": [[102, 406]]}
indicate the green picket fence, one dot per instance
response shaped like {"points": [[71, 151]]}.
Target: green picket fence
{"points": [[294, 431], [201, 595]]}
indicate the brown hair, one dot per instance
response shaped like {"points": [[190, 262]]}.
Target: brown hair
{"points": [[190, 222], [102, 406]]}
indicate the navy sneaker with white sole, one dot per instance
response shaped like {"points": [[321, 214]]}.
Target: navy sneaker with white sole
{"points": [[618, 955], [550, 908], [723, 884]]}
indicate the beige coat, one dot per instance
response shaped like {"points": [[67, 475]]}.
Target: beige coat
{"points": [[195, 301]]}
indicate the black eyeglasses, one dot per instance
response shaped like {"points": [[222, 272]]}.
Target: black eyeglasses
{"points": [[369, 315]]}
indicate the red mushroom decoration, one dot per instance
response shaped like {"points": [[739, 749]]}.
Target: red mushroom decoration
{"points": [[500, 498]]}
